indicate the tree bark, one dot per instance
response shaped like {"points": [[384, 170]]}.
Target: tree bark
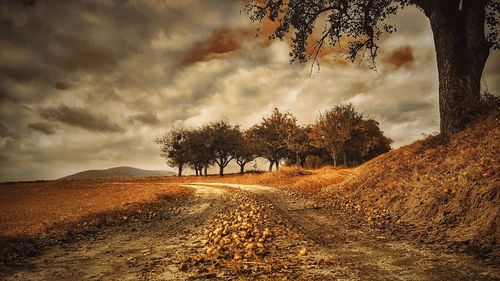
{"points": [[221, 171], [206, 170], [302, 161], [179, 174], [461, 52], [242, 168], [277, 162], [271, 163], [196, 170]]}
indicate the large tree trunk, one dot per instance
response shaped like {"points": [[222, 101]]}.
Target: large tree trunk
{"points": [[196, 170], [461, 51], [277, 162], [221, 170], [242, 168], [180, 171], [206, 170], [271, 163]]}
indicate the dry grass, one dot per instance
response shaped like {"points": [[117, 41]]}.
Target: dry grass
{"points": [[31, 208], [451, 189], [292, 178]]}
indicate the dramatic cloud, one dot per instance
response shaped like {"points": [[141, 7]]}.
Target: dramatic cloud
{"points": [[400, 57], [80, 117], [148, 118], [42, 127], [220, 42], [61, 86], [88, 84]]}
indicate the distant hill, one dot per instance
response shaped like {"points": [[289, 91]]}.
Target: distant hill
{"points": [[117, 173]]}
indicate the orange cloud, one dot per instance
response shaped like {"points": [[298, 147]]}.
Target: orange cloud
{"points": [[219, 43], [400, 57], [60, 86]]}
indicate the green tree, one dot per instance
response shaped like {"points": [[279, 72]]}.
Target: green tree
{"points": [[461, 40]]}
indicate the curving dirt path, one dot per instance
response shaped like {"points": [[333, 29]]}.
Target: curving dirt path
{"points": [[310, 242]]}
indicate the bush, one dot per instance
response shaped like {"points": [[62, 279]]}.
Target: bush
{"points": [[313, 162], [293, 171]]}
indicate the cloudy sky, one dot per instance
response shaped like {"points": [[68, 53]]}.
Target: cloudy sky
{"points": [[90, 84]]}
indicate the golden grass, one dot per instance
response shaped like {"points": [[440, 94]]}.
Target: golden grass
{"points": [[292, 178], [451, 188]]}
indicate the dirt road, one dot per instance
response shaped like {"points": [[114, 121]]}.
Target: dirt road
{"points": [[294, 239]]}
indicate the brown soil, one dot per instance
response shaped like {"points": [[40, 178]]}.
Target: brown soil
{"points": [[307, 241], [34, 207]]}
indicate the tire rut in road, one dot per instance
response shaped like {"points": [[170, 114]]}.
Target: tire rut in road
{"points": [[357, 252]]}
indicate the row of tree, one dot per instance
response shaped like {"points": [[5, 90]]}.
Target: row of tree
{"points": [[340, 134]]}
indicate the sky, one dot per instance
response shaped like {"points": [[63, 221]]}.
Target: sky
{"points": [[90, 84]]}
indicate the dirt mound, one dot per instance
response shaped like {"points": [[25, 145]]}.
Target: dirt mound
{"points": [[446, 192]]}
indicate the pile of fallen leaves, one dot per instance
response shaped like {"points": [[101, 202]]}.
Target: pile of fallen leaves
{"points": [[238, 241], [238, 235]]}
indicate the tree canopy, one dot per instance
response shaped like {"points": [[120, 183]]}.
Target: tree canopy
{"points": [[272, 136], [464, 31], [341, 133]]}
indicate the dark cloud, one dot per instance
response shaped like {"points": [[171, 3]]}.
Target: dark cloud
{"points": [[148, 118], [131, 66], [61, 86], [70, 53], [3, 130], [80, 117], [42, 127], [400, 57], [220, 42]]}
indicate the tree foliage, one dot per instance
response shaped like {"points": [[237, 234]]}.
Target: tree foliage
{"points": [[246, 150], [174, 147], [346, 135], [299, 145], [341, 131], [272, 136], [198, 151], [222, 141], [356, 23], [464, 32]]}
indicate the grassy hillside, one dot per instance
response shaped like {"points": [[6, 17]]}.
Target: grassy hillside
{"points": [[445, 192], [116, 173]]}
